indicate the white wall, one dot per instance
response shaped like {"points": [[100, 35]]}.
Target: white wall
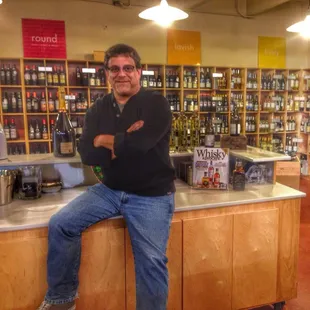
{"points": [[226, 40]]}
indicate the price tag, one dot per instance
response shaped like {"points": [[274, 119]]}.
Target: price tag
{"points": [[70, 97], [298, 140], [291, 77], [45, 69], [148, 72], [88, 70], [217, 75], [277, 77], [276, 98], [307, 77]]}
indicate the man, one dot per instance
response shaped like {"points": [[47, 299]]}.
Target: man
{"points": [[127, 134]]}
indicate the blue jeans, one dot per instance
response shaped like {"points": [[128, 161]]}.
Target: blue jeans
{"points": [[148, 221]]}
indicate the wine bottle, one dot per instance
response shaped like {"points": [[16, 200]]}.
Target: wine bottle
{"points": [[64, 135]]}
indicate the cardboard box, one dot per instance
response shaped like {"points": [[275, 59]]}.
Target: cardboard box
{"points": [[99, 55], [211, 168]]}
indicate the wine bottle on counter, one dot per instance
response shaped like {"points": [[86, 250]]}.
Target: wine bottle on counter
{"points": [[64, 135]]}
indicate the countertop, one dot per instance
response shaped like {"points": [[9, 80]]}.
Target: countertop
{"points": [[258, 155], [252, 154], [44, 159], [28, 214]]}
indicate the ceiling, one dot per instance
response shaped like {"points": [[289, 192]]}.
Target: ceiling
{"points": [[221, 7]]}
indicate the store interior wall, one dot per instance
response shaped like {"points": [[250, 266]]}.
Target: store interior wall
{"points": [[227, 40]]}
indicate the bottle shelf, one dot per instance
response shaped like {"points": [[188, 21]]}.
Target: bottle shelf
{"points": [[180, 94], [15, 141], [12, 114], [39, 140]]}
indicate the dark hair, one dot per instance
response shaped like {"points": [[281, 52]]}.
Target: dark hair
{"points": [[122, 49]]}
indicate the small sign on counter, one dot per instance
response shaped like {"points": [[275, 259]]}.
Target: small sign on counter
{"points": [[211, 168]]}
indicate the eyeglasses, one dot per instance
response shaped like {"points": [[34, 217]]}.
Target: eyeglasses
{"points": [[117, 69]]}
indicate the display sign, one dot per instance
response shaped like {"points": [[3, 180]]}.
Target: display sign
{"points": [[271, 52], [183, 47], [44, 38], [210, 168]]}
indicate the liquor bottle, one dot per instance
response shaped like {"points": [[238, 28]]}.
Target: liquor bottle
{"points": [[85, 79], [210, 136], [37, 131], [205, 180], [8, 74], [235, 123], [62, 76], [92, 80], [51, 103], [57, 102], [208, 79], [2, 75], [78, 77], [211, 172], [159, 82], [55, 77], [238, 180], [64, 136], [34, 76], [52, 126], [41, 78], [31, 131], [27, 76], [50, 78], [5, 103], [79, 128], [35, 103], [6, 129], [14, 75], [44, 130], [98, 78], [13, 103], [43, 104], [13, 130], [217, 178], [28, 103]]}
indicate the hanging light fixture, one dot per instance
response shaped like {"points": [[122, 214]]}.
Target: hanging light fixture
{"points": [[302, 27], [163, 14]]}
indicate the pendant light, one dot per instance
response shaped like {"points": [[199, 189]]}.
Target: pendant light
{"points": [[302, 27], [163, 14]]}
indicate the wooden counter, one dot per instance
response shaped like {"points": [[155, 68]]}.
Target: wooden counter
{"points": [[228, 257]]}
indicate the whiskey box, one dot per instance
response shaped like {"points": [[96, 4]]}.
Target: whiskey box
{"points": [[210, 168]]}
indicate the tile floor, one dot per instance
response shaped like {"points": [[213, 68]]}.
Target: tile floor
{"points": [[302, 302]]}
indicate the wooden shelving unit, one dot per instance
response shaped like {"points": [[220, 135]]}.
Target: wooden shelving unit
{"points": [[70, 66]]}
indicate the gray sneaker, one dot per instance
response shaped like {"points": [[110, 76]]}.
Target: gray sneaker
{"points": [[68, 306]]}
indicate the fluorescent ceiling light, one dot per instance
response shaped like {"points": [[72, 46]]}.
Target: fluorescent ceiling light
{"points": [[163, 14], [302, 27]]}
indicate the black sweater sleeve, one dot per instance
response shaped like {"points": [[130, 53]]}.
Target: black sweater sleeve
{"points": [[91, 155], [157, 118]]}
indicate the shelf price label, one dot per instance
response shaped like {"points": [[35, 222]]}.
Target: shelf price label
{"points": [[277, 77], [307, 77], [88, 70], [298, 140], [70, 97], [217, 75], [45, 69], [148, 72]]}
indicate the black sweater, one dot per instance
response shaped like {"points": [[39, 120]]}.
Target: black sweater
{"points": [[143, 164]]}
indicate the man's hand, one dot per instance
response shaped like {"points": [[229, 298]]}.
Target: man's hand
{"points": [[106, 141], [135, 126]]}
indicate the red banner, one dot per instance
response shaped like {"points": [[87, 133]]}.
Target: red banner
{"points": [[44, 38]]}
